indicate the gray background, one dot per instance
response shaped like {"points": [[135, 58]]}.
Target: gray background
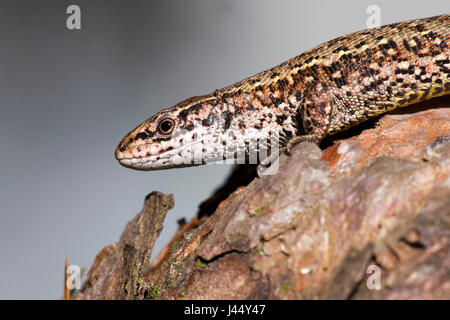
{"points": [[68, 97]]}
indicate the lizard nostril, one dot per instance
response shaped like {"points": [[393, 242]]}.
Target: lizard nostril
{"points": [[120, 149], [118, 153]]}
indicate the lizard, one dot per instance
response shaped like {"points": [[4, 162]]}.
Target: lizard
{"points": [[320, 92]]}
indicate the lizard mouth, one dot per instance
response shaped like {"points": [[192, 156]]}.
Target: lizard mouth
{"points": [[179, 157], [147, 164]]}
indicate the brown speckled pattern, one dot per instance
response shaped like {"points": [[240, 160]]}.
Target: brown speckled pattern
{"points": [[320, 92]]}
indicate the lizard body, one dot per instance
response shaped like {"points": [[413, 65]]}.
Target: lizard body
{"points": [[323, 91]]}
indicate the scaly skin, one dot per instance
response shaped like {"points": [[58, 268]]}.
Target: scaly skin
{"points": [[321, 92]]}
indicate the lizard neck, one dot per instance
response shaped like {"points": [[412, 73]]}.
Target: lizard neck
{"points": [[267, 109]]}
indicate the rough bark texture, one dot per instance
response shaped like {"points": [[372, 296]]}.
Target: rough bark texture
{"points": [[322, 228]]}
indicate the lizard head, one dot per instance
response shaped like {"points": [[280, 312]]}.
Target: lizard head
{"points": [[174, 137]]}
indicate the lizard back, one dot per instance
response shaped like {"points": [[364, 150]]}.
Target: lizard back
{"points": [[354, 77]]}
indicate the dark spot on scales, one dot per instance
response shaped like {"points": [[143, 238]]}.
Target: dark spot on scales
{"points": [[430, 35], [275, 74], [308, 60], [196, 108], [418, 43], [184, 114], [359, 45], [406, 45], [280, 119], [208, 121], [227, 117], [159, 139], [142, 135]]}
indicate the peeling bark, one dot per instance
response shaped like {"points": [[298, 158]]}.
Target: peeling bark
{"points": [[118, 270], [376, 201]]}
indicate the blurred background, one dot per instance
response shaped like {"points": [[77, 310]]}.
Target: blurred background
{"points": [[67, 97]]}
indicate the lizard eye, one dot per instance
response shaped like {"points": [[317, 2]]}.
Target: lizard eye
{"points": [[166, 126]]}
